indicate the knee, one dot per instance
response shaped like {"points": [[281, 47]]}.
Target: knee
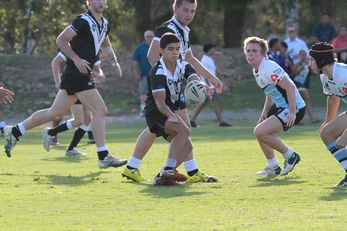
{"points": [[325, 133], [257, 132]]}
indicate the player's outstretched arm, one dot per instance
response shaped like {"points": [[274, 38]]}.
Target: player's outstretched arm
{"points": [[6, 96], [153, 53]]}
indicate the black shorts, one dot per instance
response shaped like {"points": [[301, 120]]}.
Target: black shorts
{"points": [[74, 82], [156, 123], [281, 113]]}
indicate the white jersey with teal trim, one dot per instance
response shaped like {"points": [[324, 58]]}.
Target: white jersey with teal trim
{"points": [[338, 84], [268, 76]]}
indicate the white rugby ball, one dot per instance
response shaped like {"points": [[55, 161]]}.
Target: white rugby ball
{"points": [[195, 92]]}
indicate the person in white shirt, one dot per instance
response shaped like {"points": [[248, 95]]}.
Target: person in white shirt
{"points": [[333, 76], [295, 44], [208, 62]]}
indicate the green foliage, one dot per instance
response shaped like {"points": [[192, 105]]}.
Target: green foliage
{"points": [[49, 191]]}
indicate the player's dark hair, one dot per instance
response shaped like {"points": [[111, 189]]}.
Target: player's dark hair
{"points": [[284, 44], [322, 53], [272, 42], [178, 3], [168, 38]]}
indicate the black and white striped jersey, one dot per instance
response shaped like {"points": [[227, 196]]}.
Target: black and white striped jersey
{"points": [[90, 35], [181, 32], [162, 80]]}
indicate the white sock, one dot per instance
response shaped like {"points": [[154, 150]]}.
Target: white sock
{"points": [[288, 154], [190, 165], [271, 163], [134, 162], [171, 163], [90, 127], [142, 106], [102, 148], [21, 128], [84, 127], [69, 123]]}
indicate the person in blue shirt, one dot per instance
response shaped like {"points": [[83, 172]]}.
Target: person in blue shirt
{"points": [[141, 68], [323, 31], [283, 59], [272, 54]]}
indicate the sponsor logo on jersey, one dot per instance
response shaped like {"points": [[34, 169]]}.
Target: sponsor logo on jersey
{"points": [[274, 78], [344, 90]]}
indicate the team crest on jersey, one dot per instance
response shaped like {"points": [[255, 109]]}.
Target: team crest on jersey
{"points": [[274, 78], [344, 90], [94, 27]]}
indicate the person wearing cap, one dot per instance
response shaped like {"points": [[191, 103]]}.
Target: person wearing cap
{"points": [[208, 62], [333, 131]]}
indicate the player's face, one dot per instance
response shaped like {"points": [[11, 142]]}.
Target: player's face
{"points": [[185, 13], [97, 6], [171, 52], [313, 66], [254, 54]]}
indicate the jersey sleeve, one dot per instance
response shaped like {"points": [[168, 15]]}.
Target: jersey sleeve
{"points": [[274, 73], [188, 71], [157, 82], [136, 55], [78, 25], [325, 85], [160, 31]]}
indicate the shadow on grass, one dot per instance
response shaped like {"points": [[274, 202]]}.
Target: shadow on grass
{"points": [[338, 193], [277, 181], [69, 159], [169, 191], [68, 180]]}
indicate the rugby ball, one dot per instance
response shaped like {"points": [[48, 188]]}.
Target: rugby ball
{"points": [[195, 92]]}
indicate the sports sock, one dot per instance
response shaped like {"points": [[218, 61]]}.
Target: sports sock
{"points": [[288, 154], [79, 133], [191, 167], [170, 163], [271, 163], [16, 132], [102, 152], [61, 128], [339, 154], [134, 163]]}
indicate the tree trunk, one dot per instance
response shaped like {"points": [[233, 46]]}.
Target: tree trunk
{"points": [[143, 16], [233, 25]]}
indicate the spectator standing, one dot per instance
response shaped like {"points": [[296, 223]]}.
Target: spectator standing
{"points": [[295, 44], [208, 62], [340, 45], [141, 68], [323, 31]]}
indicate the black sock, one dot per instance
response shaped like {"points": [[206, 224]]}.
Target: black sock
{"points": [[16, 132], [2, 130], [128, 167], [58, 129], [102, 155], [191, 173], [168, 168], [90, 135], [79, 133]]}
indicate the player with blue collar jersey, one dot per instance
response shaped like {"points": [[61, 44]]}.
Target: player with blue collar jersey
{"points": [[333, 76], [268, 76], [282, 109]]}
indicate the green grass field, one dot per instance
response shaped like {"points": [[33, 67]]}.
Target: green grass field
{"points": [[48, 191]]}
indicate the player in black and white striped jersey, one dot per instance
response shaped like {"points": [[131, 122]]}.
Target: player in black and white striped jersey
{"points": [[184, 12], [80, 42]]}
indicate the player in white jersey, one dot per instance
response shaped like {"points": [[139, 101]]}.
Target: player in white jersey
{"points": [[333, 76], [282, 109]]}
